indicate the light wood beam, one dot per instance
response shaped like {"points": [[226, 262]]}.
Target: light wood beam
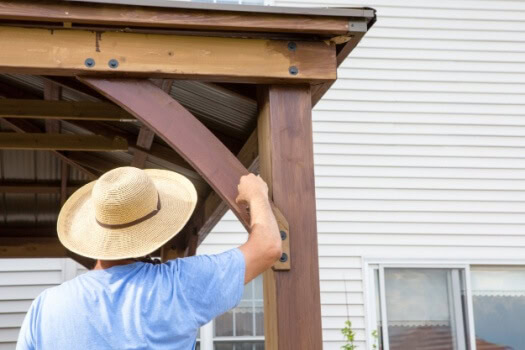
{"points": [[64, 110], [173, 18], [23, 126], [61, 142], [32, 51]]}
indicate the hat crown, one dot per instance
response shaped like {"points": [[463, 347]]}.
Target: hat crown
{"points": [[124, 195]]}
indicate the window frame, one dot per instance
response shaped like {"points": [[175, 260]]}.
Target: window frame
{"points": [[369, 268]]}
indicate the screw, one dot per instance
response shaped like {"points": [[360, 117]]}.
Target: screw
{"points": [[283, 258], [113, 63], [292, 46], [293, 70], [283, 235], [89, 62]]}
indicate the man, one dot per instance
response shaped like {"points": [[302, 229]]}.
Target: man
{"points": [[127, 304]]}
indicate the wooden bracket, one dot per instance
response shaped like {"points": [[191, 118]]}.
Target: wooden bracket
{"points": [[285, 262]]}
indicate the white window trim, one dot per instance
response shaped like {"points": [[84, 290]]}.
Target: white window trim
{"points": [[368, 265]]}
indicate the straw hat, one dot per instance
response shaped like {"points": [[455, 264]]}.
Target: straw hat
{"points": [[126, 213]]}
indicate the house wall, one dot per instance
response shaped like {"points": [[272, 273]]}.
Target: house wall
{"points": [[419, 154], [419, 147]]}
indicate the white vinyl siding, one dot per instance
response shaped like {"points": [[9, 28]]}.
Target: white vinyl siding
{"points": [[21, 281], [419, 147]]}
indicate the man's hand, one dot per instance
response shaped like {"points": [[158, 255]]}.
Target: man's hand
{"points": [[251, 187], [264, 244]]}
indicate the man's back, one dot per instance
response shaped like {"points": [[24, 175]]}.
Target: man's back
{"points": [[136, 306]]}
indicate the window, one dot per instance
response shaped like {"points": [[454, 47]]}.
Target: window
{"points": [[241, 328], [441, 308], [423, 309], [498, 300]]}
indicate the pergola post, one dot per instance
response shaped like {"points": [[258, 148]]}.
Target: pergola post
{"points": [[292, 308]]}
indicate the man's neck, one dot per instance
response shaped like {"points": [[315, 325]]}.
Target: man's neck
{"points": [[106, 264]]}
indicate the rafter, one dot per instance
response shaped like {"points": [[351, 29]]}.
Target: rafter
{"points": [[35, 187], [61, 142], [64, 110], [24, 126]]}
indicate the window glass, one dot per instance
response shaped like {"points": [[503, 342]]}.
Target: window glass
{"points": [[498, 297], [246, 320], [422, 307]]}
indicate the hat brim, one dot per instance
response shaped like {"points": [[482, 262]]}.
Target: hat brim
{"points": [[79, 231]]}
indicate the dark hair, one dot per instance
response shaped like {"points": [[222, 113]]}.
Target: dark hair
{"points": [[148, 259]]}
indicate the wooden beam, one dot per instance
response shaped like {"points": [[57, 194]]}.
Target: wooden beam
{"points": [[33, 51], [182, 131], [35, 187], [64, 176], [144, 142], [111, 15], [319, 90], [65, 110], [23, 126], [286, 163], [31, 247], [61, 142], [52, 92], [214, 206], [156, 150]]}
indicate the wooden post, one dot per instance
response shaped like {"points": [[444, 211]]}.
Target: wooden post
{"points": [[292, 308]]}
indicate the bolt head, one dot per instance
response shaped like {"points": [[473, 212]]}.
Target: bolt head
{"points": [[283, 235], [113, 63], [292, 46], [283, 258], [89, 62], [294, 70]]}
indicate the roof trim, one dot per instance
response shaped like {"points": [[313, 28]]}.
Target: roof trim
{"points": [[309, 11]]}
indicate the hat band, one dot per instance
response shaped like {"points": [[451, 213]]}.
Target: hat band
{"points": [[134, 222]]}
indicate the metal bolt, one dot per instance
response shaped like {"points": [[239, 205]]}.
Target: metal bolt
{"points": [[292, 46], [283, 235], [113, 63], [283, 258], [89, 62], [294, 70]]}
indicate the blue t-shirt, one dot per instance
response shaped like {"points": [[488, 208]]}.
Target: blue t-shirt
{"points": [[135, 306]]}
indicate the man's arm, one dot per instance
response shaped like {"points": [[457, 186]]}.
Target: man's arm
{"points": [[263, 247]]}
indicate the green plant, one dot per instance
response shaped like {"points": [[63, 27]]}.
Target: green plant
{"points": [[375, 336], [349, 335]]}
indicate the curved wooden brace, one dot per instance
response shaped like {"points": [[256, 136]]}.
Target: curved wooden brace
{"points": [[182, 131]]}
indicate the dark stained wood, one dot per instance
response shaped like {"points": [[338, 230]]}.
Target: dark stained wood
{"points": [[289, 169], [144, 142], [34, 187], [172, 18], [32, 51], [28, 247], [60, 142], [64, 175], [24, 126], [65, 110], [214, 207], [52, 92], [182, 131], [70, 83]]}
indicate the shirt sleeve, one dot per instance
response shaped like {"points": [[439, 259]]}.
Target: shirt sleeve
{"points": [[25, 337], [212, 284]]}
